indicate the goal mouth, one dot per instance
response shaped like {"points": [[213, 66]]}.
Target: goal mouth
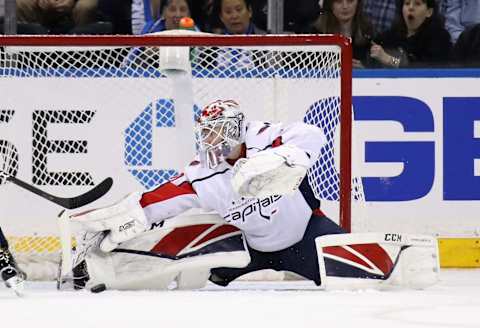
{"points": [[132, 101]]}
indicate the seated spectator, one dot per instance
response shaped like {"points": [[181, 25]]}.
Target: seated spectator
{"points": [[235, 17], [346, 17], [466, 52], [418, 39], [231, 17], [459, 15], [171, 11], [60, 17]]}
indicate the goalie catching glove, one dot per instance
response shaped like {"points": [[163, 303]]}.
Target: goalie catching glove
{"points": [[121, 221], [276, 171]]}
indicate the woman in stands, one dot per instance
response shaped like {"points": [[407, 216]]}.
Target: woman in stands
{"points": [[233, 17], [171, 11], [346, 17], [418, 39]]}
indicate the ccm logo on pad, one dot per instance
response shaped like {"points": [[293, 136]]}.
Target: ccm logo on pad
{"points": [[393, 237]]}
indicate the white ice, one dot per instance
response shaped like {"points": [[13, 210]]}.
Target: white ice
{"points": [[454, 302]]}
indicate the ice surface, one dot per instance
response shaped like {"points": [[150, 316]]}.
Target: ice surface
{"points": [[454, 302]]}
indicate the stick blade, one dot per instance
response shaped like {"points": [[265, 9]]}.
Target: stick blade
{"points": [[90, 196]]}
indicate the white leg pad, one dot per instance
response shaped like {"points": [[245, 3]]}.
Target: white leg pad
{"points": [[136, 265], [127, 271], [417, 268], [132, 272], [192, 279], [377, 260]]}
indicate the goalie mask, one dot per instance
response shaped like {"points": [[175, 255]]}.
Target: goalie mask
{"points": [[219, 129]]}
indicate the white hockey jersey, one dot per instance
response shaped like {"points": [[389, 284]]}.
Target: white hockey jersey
{"points": [[269, 224]]}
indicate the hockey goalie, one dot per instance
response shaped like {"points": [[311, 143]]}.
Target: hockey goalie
{"points": [[258, 212]]}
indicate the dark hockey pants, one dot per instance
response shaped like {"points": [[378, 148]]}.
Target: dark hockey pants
{"points": [[300, 258]]}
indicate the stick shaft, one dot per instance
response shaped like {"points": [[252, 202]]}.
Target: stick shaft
{"points": [[67, 202]]}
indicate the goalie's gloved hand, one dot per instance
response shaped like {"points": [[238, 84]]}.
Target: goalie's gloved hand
{"points": [[121, 221], [277, 171]]}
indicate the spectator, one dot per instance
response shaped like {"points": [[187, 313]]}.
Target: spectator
{"points": [[419, 38], [235, 17], [461, 14], [346, 17], [60, 17], [171, 11], [231, 17], [381, 14]]}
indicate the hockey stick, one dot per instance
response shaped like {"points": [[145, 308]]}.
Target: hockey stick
{"points": [[67, 202], [9, 168]]}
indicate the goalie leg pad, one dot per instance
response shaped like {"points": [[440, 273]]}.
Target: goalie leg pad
{"points": [[133, 270], [178, 253], [419, 268], [377, 260]]}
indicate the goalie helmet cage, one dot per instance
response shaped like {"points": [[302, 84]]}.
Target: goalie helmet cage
{"points": [[306, 74]]}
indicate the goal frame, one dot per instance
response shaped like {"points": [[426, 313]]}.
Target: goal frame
{"points": [[342, 42]]}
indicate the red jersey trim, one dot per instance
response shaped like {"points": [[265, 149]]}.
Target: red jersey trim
{"points": [[166, 191]]}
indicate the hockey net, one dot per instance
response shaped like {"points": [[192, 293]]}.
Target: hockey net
{"points": [[129, 92]]}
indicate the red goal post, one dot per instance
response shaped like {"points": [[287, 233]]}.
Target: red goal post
{"points": [[274, 77]]}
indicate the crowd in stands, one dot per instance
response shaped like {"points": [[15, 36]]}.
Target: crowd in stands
{"points": [[387, 33]]}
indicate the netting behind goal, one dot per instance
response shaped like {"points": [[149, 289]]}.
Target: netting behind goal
{"points": [[77, 109]]}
